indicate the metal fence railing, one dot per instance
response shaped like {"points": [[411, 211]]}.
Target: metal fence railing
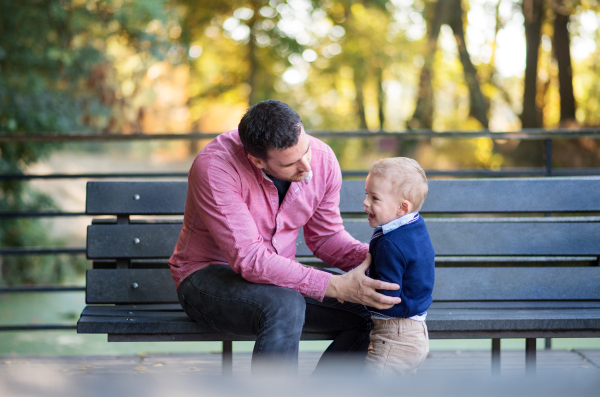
{"points": [[546, 169]]}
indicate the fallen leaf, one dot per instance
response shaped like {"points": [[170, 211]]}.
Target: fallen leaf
{"points": [[140, 368], [85, 367], [158, 365]]}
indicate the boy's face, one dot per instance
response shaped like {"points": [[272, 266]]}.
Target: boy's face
{"points": [[381, 203]]}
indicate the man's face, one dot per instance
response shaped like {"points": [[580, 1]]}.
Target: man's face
{"points": [[291, 164]]}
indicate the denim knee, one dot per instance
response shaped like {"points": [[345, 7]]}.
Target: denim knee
{"points": [[285, 310]]}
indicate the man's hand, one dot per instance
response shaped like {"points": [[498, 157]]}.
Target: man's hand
{"points": [[355, 286]]}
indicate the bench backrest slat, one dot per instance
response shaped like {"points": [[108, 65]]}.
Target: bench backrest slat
{"points": [[517, 283], [130, 286], [449, 238], [568, 194], [135, 198], [451, 284]]}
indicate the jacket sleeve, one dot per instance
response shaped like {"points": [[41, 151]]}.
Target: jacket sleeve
{"points": [[390, 265], [215, 188], [324, 233]]}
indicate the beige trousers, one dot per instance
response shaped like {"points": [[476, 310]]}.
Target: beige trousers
{"points": [[398, 346]]}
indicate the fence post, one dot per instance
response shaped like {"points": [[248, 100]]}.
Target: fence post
{"points": [[548, 150]]}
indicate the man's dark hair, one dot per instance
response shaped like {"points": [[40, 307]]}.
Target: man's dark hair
{"points": [[269, 125]]}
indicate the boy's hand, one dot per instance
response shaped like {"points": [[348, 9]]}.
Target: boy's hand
{"points": [[355, 286]]}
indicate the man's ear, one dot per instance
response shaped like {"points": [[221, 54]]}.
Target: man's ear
{"points": [[404, 208], [256, 161]]}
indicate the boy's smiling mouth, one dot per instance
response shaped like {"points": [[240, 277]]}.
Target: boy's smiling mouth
{"points": [[371, 216]]}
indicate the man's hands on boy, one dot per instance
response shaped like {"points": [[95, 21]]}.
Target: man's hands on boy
{"points": [[355, 286]]}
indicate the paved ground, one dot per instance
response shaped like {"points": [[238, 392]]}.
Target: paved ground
{"points": [[548, 361], [452, 374]]}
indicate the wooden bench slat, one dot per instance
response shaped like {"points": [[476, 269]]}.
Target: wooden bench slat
{"points": [[456, 320], [495, 238], [118, 286], [141, 310], [451, 284], [121, 198], [158, 307], [568, 194], [558, 194], [449, 238], [516, 283], [132, 240]]}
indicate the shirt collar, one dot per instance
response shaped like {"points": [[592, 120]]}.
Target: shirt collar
{"points": [[396, 223]]}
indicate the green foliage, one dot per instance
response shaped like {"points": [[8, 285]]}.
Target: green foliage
{"points": [[55, 76]]}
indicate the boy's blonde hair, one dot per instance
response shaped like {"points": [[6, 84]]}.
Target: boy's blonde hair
{"points": [[407, 177]]}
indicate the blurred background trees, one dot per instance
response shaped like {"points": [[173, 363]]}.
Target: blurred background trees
{"points": [[59, 72], [122, 66]]}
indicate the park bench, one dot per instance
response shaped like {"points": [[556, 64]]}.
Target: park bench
{"points": [[515, 258]]}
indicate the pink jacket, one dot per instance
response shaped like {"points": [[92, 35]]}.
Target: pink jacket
{"points": [[232, 216]]}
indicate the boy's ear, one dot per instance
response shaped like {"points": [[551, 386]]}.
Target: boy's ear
{"points": [[404, 208]]}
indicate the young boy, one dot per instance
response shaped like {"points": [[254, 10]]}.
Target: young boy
{"points": [[401, 253]]}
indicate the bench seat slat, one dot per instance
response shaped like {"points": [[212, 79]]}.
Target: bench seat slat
{"points": [[168, 309], [463, 320], [203, 337], [158, 307]]}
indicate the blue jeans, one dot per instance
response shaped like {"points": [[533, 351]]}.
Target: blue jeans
{"points": [[223, 301]]}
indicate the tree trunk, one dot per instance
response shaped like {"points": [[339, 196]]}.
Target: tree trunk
{"points": [[380, 98], [533, 13], [423, 114], [359, 80], [478, 107], [562, 54], [252, 60]]}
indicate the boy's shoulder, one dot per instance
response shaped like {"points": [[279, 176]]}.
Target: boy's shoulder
{"points": [[406, 239]]}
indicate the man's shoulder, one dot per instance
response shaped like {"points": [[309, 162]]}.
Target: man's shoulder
{"points": [[227, 143], [323, 161], [223, 152], [317, 146]]}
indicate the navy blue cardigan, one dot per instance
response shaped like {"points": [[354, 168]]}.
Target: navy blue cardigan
{"points": [[405, 256]]}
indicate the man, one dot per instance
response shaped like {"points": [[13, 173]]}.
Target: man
{"points": [[249, 193]]}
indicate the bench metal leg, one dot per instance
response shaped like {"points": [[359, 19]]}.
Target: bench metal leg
{"points": [[496, 356], [548, 344], [227, 360], [530, 344]]}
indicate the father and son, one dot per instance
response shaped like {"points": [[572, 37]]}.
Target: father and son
{"points": [[249, 192]]}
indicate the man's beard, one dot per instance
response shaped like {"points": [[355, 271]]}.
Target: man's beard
{"points": [[298, 177]]}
